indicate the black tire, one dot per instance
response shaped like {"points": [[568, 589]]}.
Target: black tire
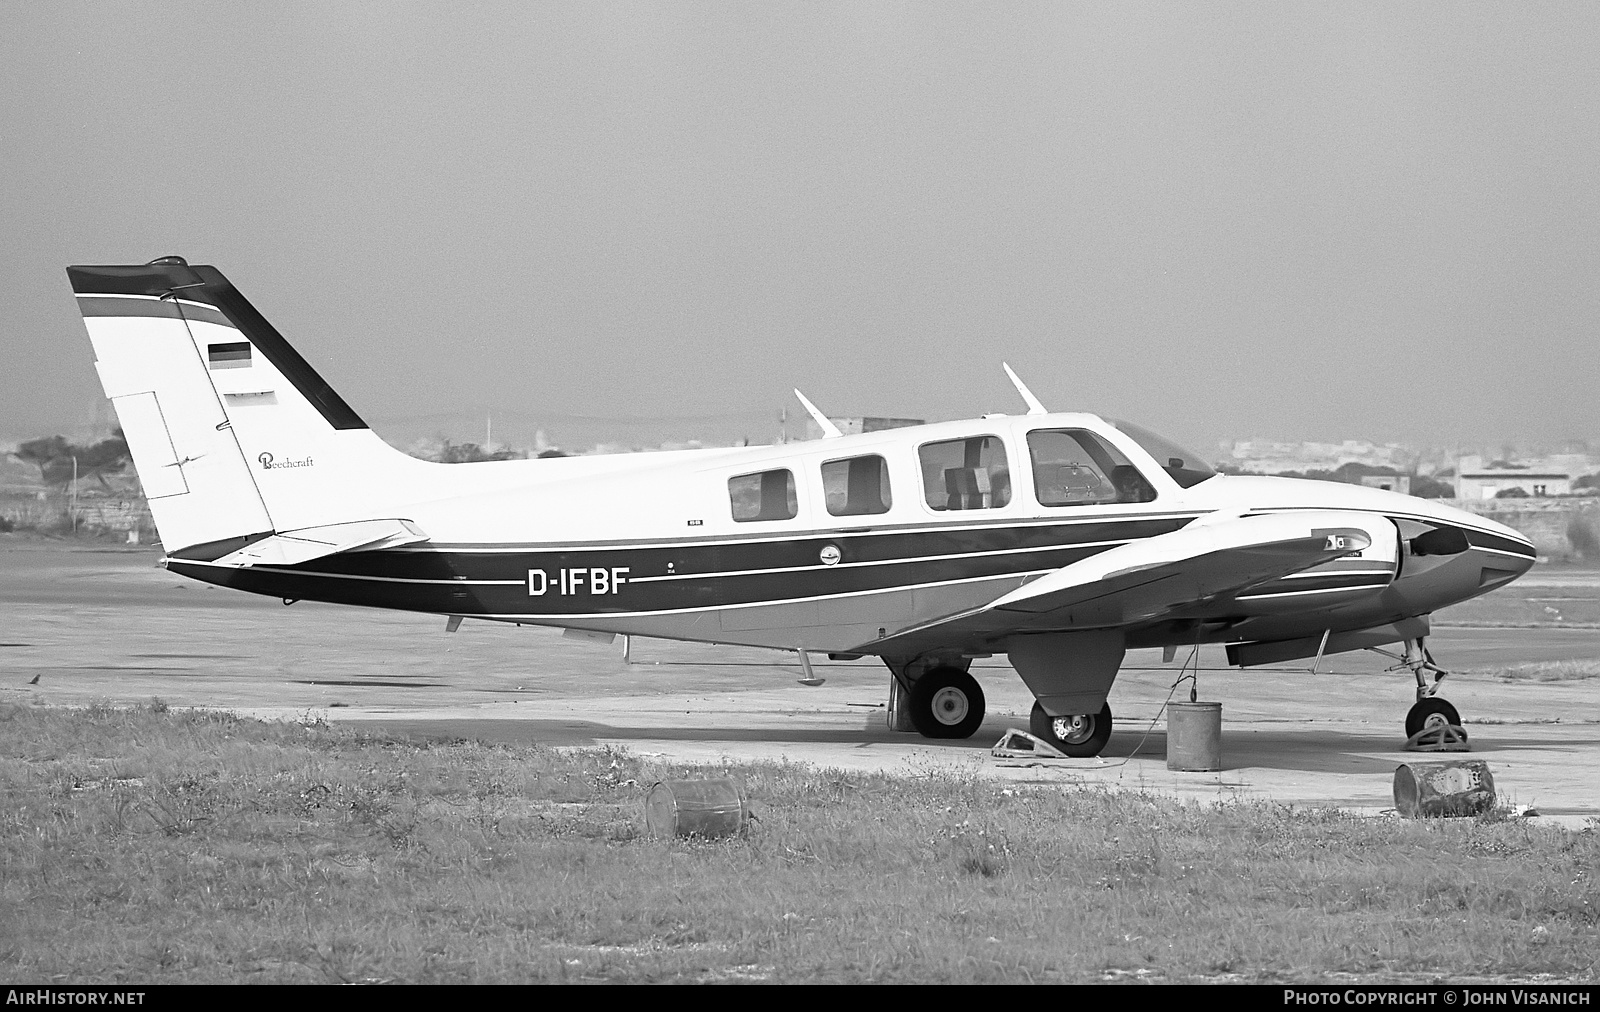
{"points": [[946, 703], [1080, 736], [1431, 712]]}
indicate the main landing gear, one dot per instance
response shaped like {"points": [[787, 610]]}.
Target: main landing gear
{"points": [[946, 703], [1429, 711], [1080, 735]]}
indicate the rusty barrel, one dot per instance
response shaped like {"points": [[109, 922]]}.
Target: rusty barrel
{"points": [[1194, 737], [1443, 789], [706, 808]]}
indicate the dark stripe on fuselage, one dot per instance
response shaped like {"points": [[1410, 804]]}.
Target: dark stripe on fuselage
{"points": [[1319, 583], [1476, 538], [681, 576], [979, 522], [1494, 542]]}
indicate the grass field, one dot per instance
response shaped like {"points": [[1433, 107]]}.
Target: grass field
{"points": [[1548, 671], [142, 845]]}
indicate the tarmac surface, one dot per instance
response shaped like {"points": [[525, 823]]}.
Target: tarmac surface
{"points": [[105, 624]]}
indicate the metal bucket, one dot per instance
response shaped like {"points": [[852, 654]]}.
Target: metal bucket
{"points": [[1194, 737], [1443, 790], [706, 808]]}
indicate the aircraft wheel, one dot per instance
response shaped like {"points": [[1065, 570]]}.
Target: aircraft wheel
{"points": [[946, 703], [1431, 712], [1081, 735]]}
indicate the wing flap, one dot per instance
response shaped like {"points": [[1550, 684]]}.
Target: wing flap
{"points": [[290, 548]]}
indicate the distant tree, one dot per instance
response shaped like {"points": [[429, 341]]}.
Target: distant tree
{"points": [[109, 456], [1350, 473], [1587, 481], [1581, 535], [54, 457], [42, 452], [1353, 471], [470, 453], [1518, 492], [1424, 487]]}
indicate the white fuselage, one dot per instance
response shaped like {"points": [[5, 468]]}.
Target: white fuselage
{"points": [[653, 543]]}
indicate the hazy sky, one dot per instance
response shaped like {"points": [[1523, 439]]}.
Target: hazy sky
{"points": [[1295, 220]]}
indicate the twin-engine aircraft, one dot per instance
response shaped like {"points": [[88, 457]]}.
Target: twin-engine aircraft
{"points": [[1060, 540]]}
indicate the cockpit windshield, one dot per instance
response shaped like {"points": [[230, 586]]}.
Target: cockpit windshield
{"points": [[1186, 467]]}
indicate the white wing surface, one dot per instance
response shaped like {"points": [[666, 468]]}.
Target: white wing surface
{"points": [[1198, 572]]}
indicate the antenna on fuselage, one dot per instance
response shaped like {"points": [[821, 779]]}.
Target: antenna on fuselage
{"points": [[829, 430], [1034, 407]]}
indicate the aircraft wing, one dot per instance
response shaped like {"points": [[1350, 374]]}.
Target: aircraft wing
{"points": [[291, 547], [1188, 572]]}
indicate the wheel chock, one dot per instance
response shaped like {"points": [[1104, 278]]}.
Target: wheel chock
{"points": [[1015, 744], [1443, 738]]}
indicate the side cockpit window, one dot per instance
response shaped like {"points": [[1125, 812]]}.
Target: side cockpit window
{"points": [[1185, 467], [856, 486], [765, 495], [1075, 467], [965, 474]]}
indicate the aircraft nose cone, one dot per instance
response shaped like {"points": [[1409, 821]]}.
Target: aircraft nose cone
{"points": [[1501, 568]]}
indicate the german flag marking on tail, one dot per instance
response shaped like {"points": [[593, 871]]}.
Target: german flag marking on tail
{"points": [[233, 355]]}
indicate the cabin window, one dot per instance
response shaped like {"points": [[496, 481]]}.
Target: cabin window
{"points": [[1075, 467], [965, 474], [765, 495], [856, 486]]}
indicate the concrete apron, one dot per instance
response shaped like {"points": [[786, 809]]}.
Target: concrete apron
{"points": [[1347, 764]]}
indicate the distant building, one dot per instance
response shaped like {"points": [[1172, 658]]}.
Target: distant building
{"points": [[853, 426], [1267, 456], [1552, 475], [1391, 482]]}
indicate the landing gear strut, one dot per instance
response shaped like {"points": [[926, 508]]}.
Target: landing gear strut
{"points": [[1430, 710]]}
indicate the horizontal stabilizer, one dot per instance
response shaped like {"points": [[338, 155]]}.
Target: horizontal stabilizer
{"points": [[293, 547]]}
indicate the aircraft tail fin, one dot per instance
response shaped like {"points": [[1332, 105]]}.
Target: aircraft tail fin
{"points": [[234, 436]]}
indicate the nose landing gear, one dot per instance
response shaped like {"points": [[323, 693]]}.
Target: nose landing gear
{"points": [[1430, 711]]}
